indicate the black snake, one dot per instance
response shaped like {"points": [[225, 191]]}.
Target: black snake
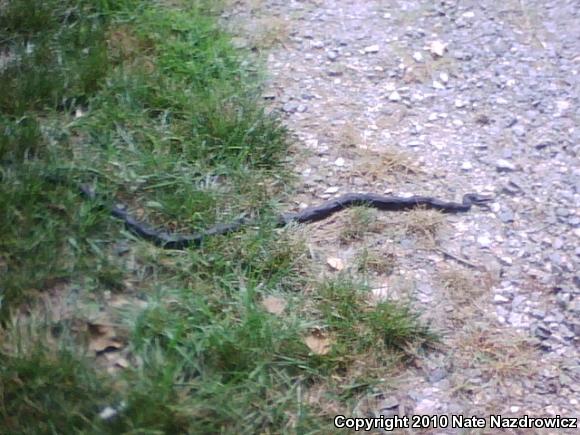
{"points": [[168, 240]]}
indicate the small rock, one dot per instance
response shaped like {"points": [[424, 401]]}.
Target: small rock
{"points": [[332, 55], [332, 189], [462, 55], [500, 299], [466, 166], [395, 96], [372, 49], [503, 165], [426, 406], [339, 162], [302, 108], [317, 44], [437, 48], [444, 77], [334, 72], [107, 413], [460, 103], [519, 130], [484, 241], [437, 375], [418, 57], [290, 107], [438, 85], [506, 216]]}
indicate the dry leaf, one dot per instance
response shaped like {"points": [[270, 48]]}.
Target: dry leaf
{"points": [[274, 304], [335, 262], [318, 343], [102, 344], [103, 338], [437, 48]]}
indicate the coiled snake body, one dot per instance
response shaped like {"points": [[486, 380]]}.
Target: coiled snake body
{"points": [[168, 240]]}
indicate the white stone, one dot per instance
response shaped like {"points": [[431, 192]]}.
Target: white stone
{"points": [[484, 240], [372, 48], [500, 299], [339, 162], [437, 48], [466, 166], [395, 96], [438, 85]]}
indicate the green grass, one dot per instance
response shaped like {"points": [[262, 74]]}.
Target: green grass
{"points": [[153, 106]]}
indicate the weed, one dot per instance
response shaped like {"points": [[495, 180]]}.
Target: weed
{"points": [[361, 220]]}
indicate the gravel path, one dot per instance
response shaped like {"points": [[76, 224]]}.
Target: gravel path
{"points": [[444, 98]]}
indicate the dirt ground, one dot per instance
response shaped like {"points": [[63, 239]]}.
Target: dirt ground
{"points": [[443, 98]]}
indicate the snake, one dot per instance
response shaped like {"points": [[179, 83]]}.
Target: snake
{"points": [[169, 240]]}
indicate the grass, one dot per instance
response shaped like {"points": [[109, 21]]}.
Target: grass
{"points": [[105, 333]]}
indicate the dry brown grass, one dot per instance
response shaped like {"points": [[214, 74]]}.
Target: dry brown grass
{"points": [[348, 136], [267, 32], [377, 165], [358, 222], [380, 260], [126, 48], [501, 355], [424, 225]]}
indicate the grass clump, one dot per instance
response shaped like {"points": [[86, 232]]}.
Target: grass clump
{"points": [[362, 328]]}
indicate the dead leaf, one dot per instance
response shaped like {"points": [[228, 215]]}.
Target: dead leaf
{"points": [[437, 48], [335, 263], [274, 304], [103, 338], [318, 343], [104, 344]]}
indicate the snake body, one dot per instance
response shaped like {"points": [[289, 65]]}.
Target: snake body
{"points": [[316, 213]]}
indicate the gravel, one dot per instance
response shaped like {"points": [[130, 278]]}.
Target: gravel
{"points": [[484, 97]]}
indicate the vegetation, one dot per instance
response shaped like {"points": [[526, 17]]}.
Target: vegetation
{"points": [[104, 333]]}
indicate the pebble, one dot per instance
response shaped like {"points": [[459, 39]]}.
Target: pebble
{"points": [[290, 107], [500, 299], [519, 130], [438, 85], [503, 165], [332, 55], [484, 241], [506, 216], [395, 96], [372, 49]]}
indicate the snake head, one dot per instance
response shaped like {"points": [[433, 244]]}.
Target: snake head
{"points": [[479, 200]]}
